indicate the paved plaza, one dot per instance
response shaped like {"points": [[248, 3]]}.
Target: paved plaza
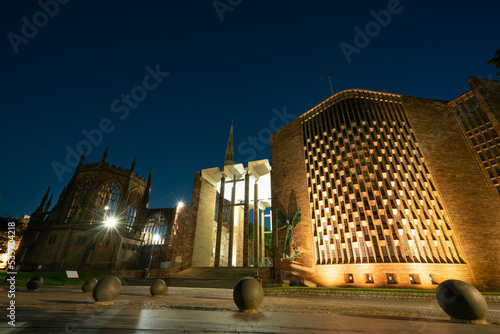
{"points": [[65, 309]]}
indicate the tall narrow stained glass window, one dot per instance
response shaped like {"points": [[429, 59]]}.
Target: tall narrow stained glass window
{"points": [[106, 202]]}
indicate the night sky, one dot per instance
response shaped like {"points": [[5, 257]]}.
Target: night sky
{"points": [[163, 79]]}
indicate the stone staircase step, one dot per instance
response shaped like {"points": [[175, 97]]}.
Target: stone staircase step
{"points": [[223, 278], [222, 272]]}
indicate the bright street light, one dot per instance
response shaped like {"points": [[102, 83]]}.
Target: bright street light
{"points": [[110, 222], [180, 204]]}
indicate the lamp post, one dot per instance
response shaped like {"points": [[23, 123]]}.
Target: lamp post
{"points": [[110, 223]]}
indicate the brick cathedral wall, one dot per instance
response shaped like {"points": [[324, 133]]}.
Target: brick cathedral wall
{"points": [[75, 252], [335, 275], [32, 244], [474, 211], [54, 253], [289, 187], [488, 94], [186, 228]]}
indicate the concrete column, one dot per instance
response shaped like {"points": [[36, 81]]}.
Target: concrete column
{"points": [[263, 237], [256, 239], [231, 225], [246, 261], [219, 222]]}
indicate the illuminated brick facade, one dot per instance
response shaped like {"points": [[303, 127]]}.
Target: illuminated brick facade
{"points": [[383, 181], [480, 127], [394, 190]]}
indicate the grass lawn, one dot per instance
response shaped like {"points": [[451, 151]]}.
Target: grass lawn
{"points": [[58, 277]]}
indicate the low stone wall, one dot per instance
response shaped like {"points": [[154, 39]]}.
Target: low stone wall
{"points": [[347, 294], [492, 298]]}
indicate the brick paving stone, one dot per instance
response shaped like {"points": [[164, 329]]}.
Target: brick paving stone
{"points": [[187, 310]]}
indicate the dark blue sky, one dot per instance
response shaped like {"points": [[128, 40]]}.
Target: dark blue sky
{"points": [[264, 61]]}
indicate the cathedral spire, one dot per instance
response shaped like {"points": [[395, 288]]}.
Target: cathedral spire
{"points": [[230, 148], [37, 215], [48, 203], [105, 154], [133, 164], [44, 199], [150, 177], [42, 204], [82, 158], [145, 198]]}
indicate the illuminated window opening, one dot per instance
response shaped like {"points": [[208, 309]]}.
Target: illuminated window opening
{"points": [[349, 278], [78, 199], [414, 279], [369, 278], [132, 210], [106, 202], [391, 278], [156, 230]]}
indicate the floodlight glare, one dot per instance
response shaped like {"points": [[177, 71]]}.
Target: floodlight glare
{"points": [[156, 237], [110, 222], [180, 204]]}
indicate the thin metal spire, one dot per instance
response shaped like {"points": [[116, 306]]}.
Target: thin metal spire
{"points": [[330, 79]]}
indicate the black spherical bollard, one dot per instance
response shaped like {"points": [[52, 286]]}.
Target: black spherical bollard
{"points": [[89, 285], [34, 283], [462, 302], [158, 288], [248, 295], [106, 290]]}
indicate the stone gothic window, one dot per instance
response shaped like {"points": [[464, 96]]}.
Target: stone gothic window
{"points": [[78, 197], [132, 206], [106, 202], [155, 231]]}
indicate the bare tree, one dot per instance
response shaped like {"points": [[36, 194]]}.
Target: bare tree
{"points": [[495, 61]]}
